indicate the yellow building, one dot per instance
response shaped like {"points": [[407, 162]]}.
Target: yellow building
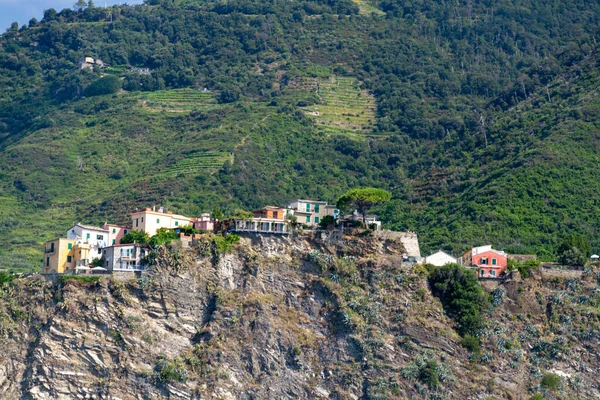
{"points": [[64, 256], [150, 220]]}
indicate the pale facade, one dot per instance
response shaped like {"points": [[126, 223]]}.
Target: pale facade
{"points": [[64, 256], [311, 212], [440, 259], [124, 257], [96, 238], [204, 223], [150, 221], [115, 233], [260, 225]]}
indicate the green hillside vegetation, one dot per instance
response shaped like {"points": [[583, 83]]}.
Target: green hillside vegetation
{"points": [[481, 118]]}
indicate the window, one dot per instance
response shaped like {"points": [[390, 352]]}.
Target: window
{"points": [[70, 246], [483, 261], [176, 223], [493, 273], [157, 220], [316, 209], [136, 222], [99, 251], [87, 235], [493, 261], [51, 247], [316, 220], [482, 272], [114, 241], [121, 252], [47, 261], [99, 237], [307, 207], [142, 219], [308, 219], [125, 232], [69, 259], [114, 230]]}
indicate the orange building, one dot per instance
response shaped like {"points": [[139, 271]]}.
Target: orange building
{"points": [[489, 263]]}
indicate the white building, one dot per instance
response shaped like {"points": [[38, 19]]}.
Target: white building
{"points": [[96, 238], [439, 259], [124, 257]]}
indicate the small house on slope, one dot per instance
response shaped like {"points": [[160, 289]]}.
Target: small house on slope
{"points": [[439, 259], [488, 262]]}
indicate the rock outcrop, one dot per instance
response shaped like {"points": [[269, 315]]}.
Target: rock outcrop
{"points": [[300, 317]]}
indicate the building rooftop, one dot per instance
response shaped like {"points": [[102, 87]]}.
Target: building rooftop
{"points": [[89, 227]]}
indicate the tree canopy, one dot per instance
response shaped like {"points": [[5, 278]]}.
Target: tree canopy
{"points": [[362, 199]]}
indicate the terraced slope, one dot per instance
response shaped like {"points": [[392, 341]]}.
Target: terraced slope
{"points": [[177, 101], [203, 162], [345, 108]]}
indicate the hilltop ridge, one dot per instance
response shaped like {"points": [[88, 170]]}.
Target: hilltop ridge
{"points": [[481, 119]]}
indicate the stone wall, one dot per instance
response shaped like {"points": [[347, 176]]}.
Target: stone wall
{"points": [[408, 239]]}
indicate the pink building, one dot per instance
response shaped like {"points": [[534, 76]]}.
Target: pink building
{"points": [[115, 233], [204, 223]]}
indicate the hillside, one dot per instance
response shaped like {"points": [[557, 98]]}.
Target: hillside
{"points": [[481, 118], [293, 317]]}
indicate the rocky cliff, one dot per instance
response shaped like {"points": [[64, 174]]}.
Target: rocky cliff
{"points": [[300, 317]]}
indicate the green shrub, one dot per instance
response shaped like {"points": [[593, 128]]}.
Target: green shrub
{"points": [[106, 85], [461, 295], [430, 374], [6, 277], [167, 370], [550, 381], [537, 396], [140, 237], [163, 236], [223, 244], [471, 343]]}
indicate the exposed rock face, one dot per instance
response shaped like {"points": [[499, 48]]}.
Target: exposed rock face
{"points": [[297, 317]]}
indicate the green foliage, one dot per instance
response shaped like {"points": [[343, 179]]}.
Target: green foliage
{"points": [[107, 85], [471, 343], [461, 295], [140, 237], [163, 236], [363, 199], [550, 381], [537, 396], [6, 277], [574, 251], [307, 99], [326, 221], [224, 244], [166, 371], [98, 262]]}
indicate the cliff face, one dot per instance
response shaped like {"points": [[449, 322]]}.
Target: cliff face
{"points": [[301, 317]]}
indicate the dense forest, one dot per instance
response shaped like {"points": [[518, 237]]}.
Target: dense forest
{"points": [[481, 117]]}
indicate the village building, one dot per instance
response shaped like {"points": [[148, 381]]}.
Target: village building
{"points": [[439, 259], [124, 257], [266, 220], [488, 262], [151, 220], [204, 223], [115, 233], [96, 238], [311, 212], [91, 63], [63, 255]]}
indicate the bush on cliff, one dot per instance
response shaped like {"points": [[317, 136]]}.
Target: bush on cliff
{"points": [[462, 297]]}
